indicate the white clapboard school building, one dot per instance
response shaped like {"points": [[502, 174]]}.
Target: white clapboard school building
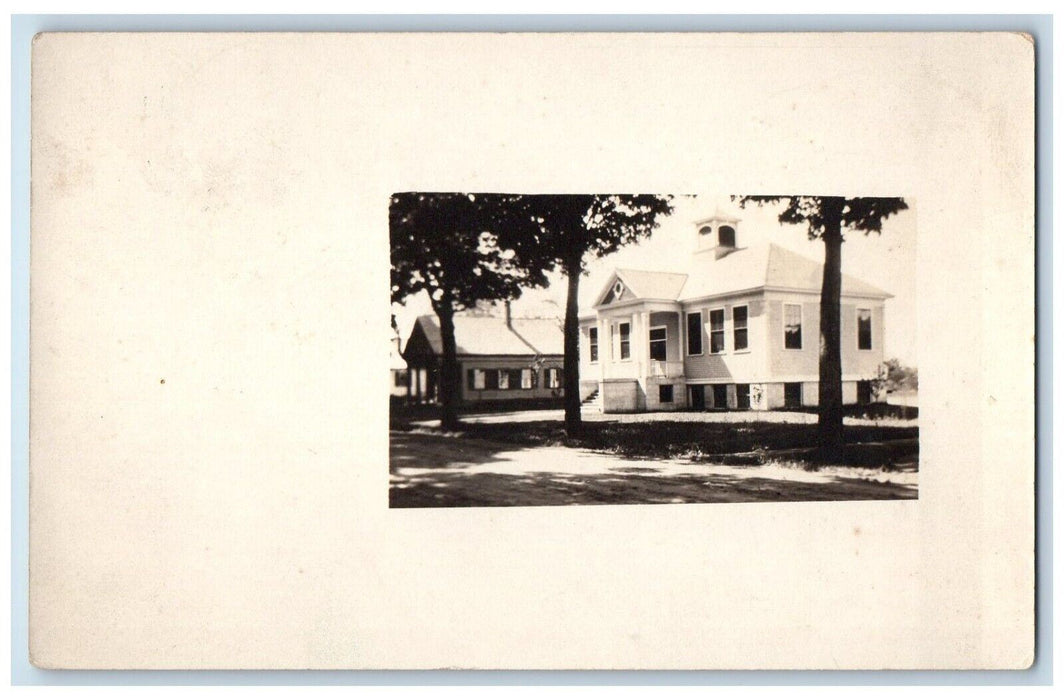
{"points": [[738, 329]]}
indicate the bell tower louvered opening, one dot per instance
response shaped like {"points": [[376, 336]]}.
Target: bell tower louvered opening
{"points": [[717, 233]]}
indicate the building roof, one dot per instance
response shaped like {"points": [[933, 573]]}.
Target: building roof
{"points": [[755, 267], [647, 284], [790, 270], [741, 269], [486, 335]]}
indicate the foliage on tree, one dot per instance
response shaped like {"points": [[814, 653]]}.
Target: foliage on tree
{"points": [[460, 249], [576, 228], [827, 218], [894, 376]]}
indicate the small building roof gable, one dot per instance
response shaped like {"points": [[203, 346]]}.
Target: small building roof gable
{"points": [[487, 335]]}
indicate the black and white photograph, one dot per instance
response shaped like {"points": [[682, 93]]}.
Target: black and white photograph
{"points": [[635, 349], [703, 350]]}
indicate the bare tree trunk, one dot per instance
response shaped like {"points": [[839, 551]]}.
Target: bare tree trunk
{"points": [[449, 370], [571, 371], [829, 425]]}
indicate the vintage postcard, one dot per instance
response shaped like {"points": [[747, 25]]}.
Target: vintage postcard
{"points": [[532, 351], [701, 381]]}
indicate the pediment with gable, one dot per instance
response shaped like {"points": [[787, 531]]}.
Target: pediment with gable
{"points": [[615, 291]]}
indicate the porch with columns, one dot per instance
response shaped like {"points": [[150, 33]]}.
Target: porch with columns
{"points": [[631, 383]]}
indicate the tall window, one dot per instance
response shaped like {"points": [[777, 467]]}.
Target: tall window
{"points": [[592, 339], [739, 324], [694, 333], [625, 331], [491, 379], [526, 379], [864, 329], [716, 331], [552, 377], [742, 396], [658, 343], [504, 379], [792, 326]]}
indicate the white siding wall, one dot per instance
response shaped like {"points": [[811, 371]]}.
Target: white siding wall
{"points": [[731, 365], [794, 365], [765, 361]]}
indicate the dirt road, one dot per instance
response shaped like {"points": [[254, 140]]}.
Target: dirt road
{"points": [[432, 470]]}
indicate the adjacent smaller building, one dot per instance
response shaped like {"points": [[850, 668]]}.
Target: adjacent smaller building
{"points": [[502, 359]]}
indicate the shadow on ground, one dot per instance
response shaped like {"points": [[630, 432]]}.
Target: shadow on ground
{"points": [[434, 470]]}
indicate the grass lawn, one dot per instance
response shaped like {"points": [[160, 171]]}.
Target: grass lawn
{"points": [[721, 442], [533, 464], [524, 458]]}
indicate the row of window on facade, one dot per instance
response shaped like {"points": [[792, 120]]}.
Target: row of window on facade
{"points": [[747, 395], [792, 333], [506, 379], [719, 394]]}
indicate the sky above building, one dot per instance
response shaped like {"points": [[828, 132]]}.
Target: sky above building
{"points": [[886, 260]]}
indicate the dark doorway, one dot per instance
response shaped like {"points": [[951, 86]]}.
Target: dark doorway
{"points": [[698, 397]]}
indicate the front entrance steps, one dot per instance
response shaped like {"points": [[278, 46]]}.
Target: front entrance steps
{"points": [[592, 401]]}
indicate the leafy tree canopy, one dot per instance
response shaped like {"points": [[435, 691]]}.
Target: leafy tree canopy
{"points": [[817, 213], [575, 227], [461, 248]]}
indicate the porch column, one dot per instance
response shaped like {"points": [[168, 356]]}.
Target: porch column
{"points": [[604, 348], [633, 344], [644, 337], [682, 335]]}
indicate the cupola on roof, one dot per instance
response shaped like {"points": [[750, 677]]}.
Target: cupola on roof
{"points": [[717, 233]]}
